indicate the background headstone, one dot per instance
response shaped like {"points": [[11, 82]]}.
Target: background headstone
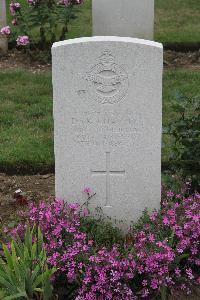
{"points": [[132, 18], [3, 40], [107, 118]]}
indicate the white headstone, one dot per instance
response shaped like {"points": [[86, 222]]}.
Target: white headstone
{"points": [[107, 117], [3, 40], [133, 18]]}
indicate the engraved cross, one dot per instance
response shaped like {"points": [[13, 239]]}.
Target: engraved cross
{"points": [[108, 172]]}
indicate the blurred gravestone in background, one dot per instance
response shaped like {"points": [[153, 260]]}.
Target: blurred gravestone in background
{"points": [[133, 18], [3, 40]]}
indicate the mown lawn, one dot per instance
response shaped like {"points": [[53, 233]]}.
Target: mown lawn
{"points": [[26, 127], [176, 21], [26, 124]]}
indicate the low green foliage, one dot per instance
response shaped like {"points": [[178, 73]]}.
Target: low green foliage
{"points": [[185, 133], [23, 270], [186, 128], [101, 230], [185, 82]]}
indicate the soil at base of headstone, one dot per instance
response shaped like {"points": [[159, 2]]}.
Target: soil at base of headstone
{"points": [[34, 188], [18, 59]]}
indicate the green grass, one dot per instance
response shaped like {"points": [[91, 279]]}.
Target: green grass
{"points": [[26, 127], [176, 21], [82, 26], [26, 124]]}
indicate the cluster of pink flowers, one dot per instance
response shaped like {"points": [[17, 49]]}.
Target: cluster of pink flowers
{"points": [[65, 244], [69, 2], [14, 7], [154, 259], [32, 2], [108, 274], [22, 40], [16, 12], [60, 2], [162, 251], [168, 245], [5, 30]]}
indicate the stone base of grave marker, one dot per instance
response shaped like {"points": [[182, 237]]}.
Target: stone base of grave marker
{"points": [[108, 120]]}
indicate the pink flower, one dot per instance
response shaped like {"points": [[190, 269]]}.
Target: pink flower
{"points": [[14, 22], [198, 280], [145, 293], [22, 40], [78, 2], [189, 273], [178, 272], [170, 194], [144, 282], [5, 30], [69, 2], [154, 283], [165, 221], [64, 2], [32, 2], [87, 190], [153, 216], [85, 212], [197, 195], [74, 206], [14, 7]]}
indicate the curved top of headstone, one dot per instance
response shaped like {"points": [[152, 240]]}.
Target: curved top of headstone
{"points": [[108, 39]]}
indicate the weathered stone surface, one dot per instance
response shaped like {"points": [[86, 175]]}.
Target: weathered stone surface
{"points": [[107, 117], [3, 40], [133, 18]]}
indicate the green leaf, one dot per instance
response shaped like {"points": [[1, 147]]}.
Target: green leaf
{"points": [[40, 240], [163, 292], [35, 273], [20, 276], [180, 257], [8, 257], [6, 284], [16, 296], [3, 293]]}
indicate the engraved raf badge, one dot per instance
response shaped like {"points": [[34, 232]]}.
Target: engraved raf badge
{"points": [[107, 81]]}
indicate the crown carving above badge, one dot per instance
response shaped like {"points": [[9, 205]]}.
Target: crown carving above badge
{"points": [[106, 58]]}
